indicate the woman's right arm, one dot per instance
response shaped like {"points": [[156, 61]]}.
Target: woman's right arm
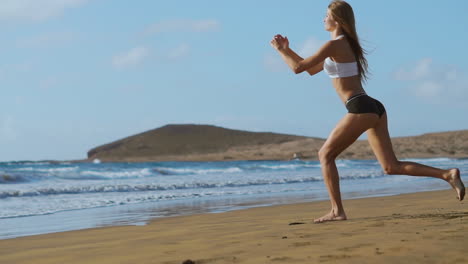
{"points": [[312, 71], [312, 64]]}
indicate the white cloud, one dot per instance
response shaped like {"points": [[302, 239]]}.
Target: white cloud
{"points": [[35, 10], [179, 52], [180, 26], [8, 71], [309, 47], [433, 82], [48, 83], [7, 131], [48, 39], [131, 58], [274, 63], [418, 71], [183, 25], [428, 89]]}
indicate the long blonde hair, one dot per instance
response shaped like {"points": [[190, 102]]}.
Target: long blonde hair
{"points": [[343, 13]]}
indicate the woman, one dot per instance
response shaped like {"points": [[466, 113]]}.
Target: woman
{"points": [[342, 58]]}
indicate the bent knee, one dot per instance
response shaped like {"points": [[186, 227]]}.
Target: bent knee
{"points": [[391, 168], [326, 155]]}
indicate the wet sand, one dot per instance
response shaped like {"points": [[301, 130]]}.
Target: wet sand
{"points": [[426, 227]]}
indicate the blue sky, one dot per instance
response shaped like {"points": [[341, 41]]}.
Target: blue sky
{"points": [[76, 74]]}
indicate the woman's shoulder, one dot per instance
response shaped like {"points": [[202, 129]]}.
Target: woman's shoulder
{"points": [[331, 47], [341, 48]]}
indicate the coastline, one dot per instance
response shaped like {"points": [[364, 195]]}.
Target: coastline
{"points": [[417, 227]]}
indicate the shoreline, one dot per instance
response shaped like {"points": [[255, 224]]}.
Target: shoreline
{"points": [[139, 214], [417, 227], [212, 158], [117, 194]]}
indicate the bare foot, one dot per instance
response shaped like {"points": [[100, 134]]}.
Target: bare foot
{"points": [[455, 181], [330, 217]]}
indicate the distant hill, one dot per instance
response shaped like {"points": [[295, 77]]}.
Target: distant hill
{"points": [[211, 143], [176, 142]]}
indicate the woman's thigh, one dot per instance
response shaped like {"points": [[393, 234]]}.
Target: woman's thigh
{"points": [[348, 130], [381, 144]]}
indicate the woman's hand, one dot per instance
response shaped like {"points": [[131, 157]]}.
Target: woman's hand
{"points": [[279, 42]]}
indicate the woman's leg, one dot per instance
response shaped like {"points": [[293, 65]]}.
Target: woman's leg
{"points": [[381, 144], [343, 135]]}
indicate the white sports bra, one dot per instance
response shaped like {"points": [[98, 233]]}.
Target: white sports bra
{"points": [[340, 69]]}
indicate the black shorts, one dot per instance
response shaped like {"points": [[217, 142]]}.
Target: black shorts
{"points": [[362, 103]]}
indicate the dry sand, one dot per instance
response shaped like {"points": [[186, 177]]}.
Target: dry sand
{"points": [[428, 227]]}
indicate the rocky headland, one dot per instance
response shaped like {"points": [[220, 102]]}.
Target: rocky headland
{"points": [[212, 143]]}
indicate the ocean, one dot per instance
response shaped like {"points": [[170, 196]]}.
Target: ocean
{"points": [[46, 197]]}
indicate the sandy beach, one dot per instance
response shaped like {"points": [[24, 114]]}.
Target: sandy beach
{"points": [[425, 227]]}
